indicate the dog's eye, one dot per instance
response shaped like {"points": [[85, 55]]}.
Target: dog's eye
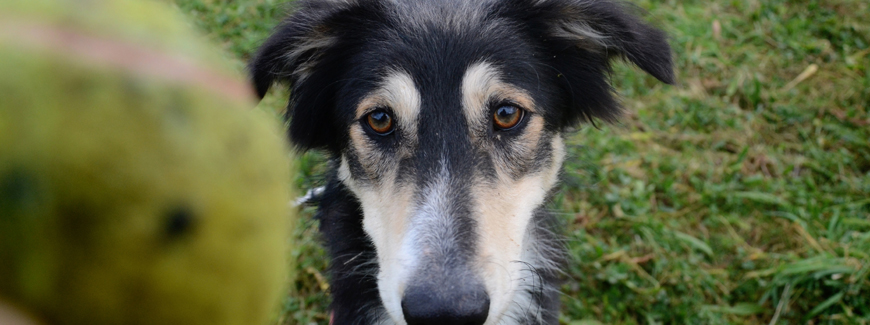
{"points": [[506, 117], [381, 122]]}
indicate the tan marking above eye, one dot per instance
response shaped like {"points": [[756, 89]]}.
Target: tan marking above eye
{"points": [[483, 85], [399, 98], [507, 116]]}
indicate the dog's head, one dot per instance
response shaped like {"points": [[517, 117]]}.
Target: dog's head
{"points": [[446, 117]]}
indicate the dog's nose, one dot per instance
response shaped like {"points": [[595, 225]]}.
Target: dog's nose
{"points": [[445, 304]]}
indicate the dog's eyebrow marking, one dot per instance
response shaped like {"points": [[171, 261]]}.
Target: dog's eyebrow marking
{"points": [[481, 84], [397, 92]]}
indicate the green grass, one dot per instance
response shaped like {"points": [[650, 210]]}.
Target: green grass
{"points": [[740, 196]]}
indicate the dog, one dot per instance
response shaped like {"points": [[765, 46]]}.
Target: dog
{"points": [[444, 121]]}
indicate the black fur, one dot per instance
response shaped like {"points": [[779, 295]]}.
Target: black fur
{"points": [[580, 72], [353, 266], [332, 53]]}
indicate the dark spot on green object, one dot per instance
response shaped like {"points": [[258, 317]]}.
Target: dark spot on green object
{"points": [[179, 222], [18, 191]]}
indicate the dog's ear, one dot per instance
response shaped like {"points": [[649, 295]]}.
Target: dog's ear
{"points": [[582, 37], [298, 40], [305, 52], [612, 27]]}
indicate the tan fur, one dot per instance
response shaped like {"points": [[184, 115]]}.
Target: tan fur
{"points": [[385, 208], [504, 209], [386, 203], [398, 93], [504, 206], [481, 85]]}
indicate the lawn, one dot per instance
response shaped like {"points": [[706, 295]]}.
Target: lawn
{"points": [[739, 196]]}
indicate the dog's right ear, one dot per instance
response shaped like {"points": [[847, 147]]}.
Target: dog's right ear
{"points": [[306, 53], [581, 38]]}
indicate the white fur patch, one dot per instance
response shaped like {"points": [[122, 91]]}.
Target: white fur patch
{"points": [[386, 203], [429, 227], [385, 209]]}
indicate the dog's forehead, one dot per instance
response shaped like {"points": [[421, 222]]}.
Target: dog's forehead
{"points": [[437, 55], [457, 14]]}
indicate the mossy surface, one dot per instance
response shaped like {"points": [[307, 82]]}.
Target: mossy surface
{"points": [[131, 198]]}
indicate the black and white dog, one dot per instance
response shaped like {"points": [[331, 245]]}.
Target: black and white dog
{"points": [[444, 120]]}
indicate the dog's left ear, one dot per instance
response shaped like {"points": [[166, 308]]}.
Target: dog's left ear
{"points": [[582, 37], [614, 27], [294, 45], [307, 53]]}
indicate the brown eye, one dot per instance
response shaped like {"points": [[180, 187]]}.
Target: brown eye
{"points": [[381, 122], [506, 117]]}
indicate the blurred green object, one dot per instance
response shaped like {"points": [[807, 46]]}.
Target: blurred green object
{"points": [[137, 185]]}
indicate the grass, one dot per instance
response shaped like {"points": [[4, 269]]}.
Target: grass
{"points": [[740, 196]]}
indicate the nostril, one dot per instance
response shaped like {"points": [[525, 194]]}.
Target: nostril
{"points": [[430, 305]]}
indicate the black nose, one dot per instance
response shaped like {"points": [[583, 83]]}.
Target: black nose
{"points": [[445, 304]]}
